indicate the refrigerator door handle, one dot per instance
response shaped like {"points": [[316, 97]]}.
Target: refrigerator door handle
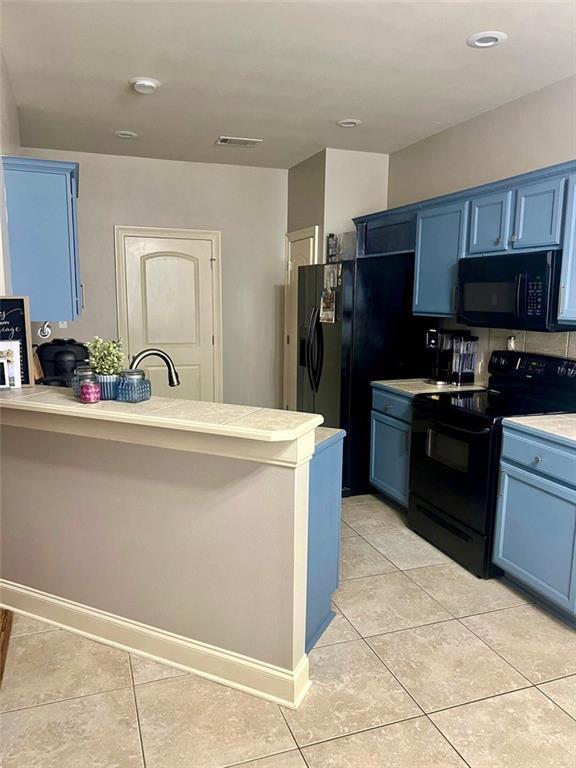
{"points": [[319, 349], [309, 347]]}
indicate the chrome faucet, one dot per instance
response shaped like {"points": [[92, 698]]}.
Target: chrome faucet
{"points": [[173, 378]]}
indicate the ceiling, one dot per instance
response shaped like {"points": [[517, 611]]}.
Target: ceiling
{"points": [[284, 72]]}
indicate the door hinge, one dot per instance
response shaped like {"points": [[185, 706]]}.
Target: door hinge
{"points": [[288, 339], [212, 339]]}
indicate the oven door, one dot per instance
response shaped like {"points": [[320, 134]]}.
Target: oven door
{"points": [[451, 467]]}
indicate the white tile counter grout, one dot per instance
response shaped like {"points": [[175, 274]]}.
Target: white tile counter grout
{"points": [[264, 424]]}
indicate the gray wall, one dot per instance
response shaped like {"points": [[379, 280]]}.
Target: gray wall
{"points": [[9, 145], [202, 546], [532, 132], [248, 205], [306, 191]]}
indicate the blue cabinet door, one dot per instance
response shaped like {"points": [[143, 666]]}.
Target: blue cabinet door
{"points": [[42, 235], [535, 535], [440, 237], [324, 506], [490, 222], [567, 300], [390, 456], [538, 214]]}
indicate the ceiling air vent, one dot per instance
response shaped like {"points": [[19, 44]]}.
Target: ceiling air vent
{"points": [[237, 141]]}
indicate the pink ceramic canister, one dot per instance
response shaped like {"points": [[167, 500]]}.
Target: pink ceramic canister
{"points": [[90, 390]]}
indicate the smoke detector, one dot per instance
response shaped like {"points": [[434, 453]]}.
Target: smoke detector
{"points": [[237, 141], [144, 85], [349, 122], [126, 134]]}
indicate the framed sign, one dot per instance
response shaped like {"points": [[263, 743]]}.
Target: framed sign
{"points": [[15, 326]]}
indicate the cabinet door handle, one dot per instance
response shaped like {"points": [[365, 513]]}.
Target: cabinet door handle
{"points": [[513, 238], [561, 298], [538, 459], [498, 241], [82, 302]]}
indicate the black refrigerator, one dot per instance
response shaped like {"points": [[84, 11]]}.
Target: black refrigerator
{"points": [[355, 325]]}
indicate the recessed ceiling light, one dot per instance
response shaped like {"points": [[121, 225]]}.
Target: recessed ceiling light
{"points": [[126, 134], [349, 122], [486, 39], [144, 85]]}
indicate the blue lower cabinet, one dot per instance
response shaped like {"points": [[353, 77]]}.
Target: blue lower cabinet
{"points": [[390, 456], [535, 537], [324, 508]]}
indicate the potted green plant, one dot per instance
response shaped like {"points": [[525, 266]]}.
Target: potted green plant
{"points": [[106, 359]]}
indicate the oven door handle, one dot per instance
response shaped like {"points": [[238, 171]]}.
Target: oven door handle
{"points": [[462, 430]]}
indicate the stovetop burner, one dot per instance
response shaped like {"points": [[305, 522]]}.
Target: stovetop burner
{"points": [[493, 404], [520, 385]]}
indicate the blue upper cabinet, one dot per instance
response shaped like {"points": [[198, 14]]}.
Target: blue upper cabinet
{"points": [[440, 238], [567, 300], [392, 233], [490, 222], [538, 214], [41, 197]]}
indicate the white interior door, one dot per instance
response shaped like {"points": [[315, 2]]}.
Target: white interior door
{"points": [[169, 297], [301, 249]]}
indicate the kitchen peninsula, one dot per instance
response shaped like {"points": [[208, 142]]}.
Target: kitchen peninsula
{"points": [[174, 528]]}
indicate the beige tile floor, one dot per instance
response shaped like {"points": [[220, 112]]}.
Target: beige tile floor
{"points": [[424, 666]]}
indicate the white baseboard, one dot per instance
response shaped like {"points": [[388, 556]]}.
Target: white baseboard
{"points": [[282, 686]]}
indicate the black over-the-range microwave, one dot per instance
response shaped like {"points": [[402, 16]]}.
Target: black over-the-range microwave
{"points": [[518, 291]]}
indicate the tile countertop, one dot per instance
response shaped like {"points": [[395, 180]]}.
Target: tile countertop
{"points": [[266, 424], [560, 426], [422, 386]]}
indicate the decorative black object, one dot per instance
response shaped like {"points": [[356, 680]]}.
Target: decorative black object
{"points": [[59, 358], [15, 326]]}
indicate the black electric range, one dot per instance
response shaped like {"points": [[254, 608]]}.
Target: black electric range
{"points": [[455, 453]]}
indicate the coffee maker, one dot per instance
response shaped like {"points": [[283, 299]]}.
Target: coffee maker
{"points": [[453, 356], [58, 359]]}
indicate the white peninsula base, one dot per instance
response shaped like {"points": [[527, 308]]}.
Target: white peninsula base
{"points": [[171, 528]]}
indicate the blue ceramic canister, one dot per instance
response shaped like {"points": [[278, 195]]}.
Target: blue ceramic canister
{"points": [[134, 387]]}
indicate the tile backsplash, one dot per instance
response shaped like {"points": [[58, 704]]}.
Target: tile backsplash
{"points": [[489, 339]]}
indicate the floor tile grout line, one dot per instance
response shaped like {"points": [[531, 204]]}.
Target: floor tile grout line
{"points": [[451, 612], [138, 726], [362, 730], [425, 714], [292, 734], [555, 679], [406, 629], [260, 759], [29, 634], [555, 702], [447, 740], [481, 698], [69, 698], [487, 644]]}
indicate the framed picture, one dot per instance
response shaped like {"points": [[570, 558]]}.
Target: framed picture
{"points": [[10, 356], [4, 381], [15, 327]]}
